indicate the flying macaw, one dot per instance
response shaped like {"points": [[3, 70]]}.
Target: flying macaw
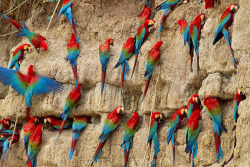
{"points": [[78, 124], [5, 124], [104, 54], [239, 96], [209, 4], [214, 111], [131, 128], [28, 85], [141, 36], [224, 22], [127, 51], [194, 103], [153, 59], [111, 123], [28, 129], [165, 5], [66, 10], [72, 54], [174, 125], [144, 15], [56, 123], [18, 56], [34, 145], [36, 39], [152, 135], [71, 102], [192, 130]]}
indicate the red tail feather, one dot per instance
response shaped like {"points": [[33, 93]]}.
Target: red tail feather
{"points": [[62, 126], [122, 77], [198, 67], [126, 158], [146, 86], [18, 26], [103, 80], [30, 164], [74, 27], [101, 144], [75, 72], [27, 113], [173, 154], [217, 141], [136, 57]]}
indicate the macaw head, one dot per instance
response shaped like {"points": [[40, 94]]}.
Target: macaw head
{"points": [[49, 119], [203, 18], [44, 45], [31, 70], [234, 8], [109, 42], [7, 122], [186, 1], [206, 101], [195, 99], [239, 94], [33, 119], [84, 119], [72, 38], [131, 40], [135, 115], [26, 47], [184, 111], [119, 110], [157, 46], [147, 10], [183, 24], [149, 22], [156, 116]]}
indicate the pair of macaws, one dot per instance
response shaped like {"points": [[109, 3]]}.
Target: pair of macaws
{"points": [[56, 123]]}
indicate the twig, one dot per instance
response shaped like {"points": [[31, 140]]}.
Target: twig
{"points": [[8, 33], [15, 7], [13, 133]]}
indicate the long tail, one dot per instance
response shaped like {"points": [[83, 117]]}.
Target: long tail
{"points": [[61, 129], [98, 152], [136, 57], [173, 147], [26, 140], [127, 148], [32, 162], [192, 160], [73, 144], [75, 74], [4, 152], [27, 113], [18, 26], [235, 112], [198, 66], [218, 147], [162, 20], [156, 149], [122, 75], [103, 80], [74, 29], [146, 87]]}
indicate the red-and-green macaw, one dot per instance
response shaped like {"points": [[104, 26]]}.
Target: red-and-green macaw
{"points": [[66, 10], [18, 56], [174, 125], [71, 102], [104, 54], [37, 40], [153, 59], [28, 129], [56, 123], [78, 124], [194, 103], [239, 96], [192, 130], [152, 135], [131, 128], [127, 51], [5, 124], [72, 54], [28, 85], [111, 123], [165, 5], [224, 22], [144, 15], [34, 146], [209, 4], [141, 36], [215, 113]]}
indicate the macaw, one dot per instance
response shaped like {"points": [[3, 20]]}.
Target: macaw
{"points": [[174, 125], [18, 56], [192, 130], [215, 113], [71, 102], [224, 22], [194, 103], [209, 4], [131, 128], [127, 51], [78, 124], [195, 32], [166, 4], [104, 54], [56, 123], [36, 39], [152, 135], [153, 59], [111, 123], [34, 145], [28, 85], [144, 15], [66, 10], [5, 124], [72, 54], [28, 129], [239, 96], [141, 36]]}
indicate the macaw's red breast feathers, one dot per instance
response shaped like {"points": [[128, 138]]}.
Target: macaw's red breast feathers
{"points": [[209, 4]]}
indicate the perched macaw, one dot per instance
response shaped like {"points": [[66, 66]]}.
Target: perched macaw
{"points": [[153, 59], [174, 125], [239, 96], [194, 103], [78, 124], [37, 40], [18, 56], [127, 51], [104, 54], [56, 123], [224, 22], [72, 54], [144, 15], [141, 36], [34, 145], [131, 128], [28, 85], [66, 10], [111, 123], [152, 135], [28, 129], [71, 102], [209, 4], [214, 111], [166, 4], [192, 130], [5, 124]]}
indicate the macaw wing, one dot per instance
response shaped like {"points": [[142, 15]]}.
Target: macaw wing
{"points": [[186, 34], [125, 55], [222, 23], [104, 56], [33, 149], [216, 114], [63, 9], [78, 125], [151, 63], [194, 36], [193, 133], [14, 78], [14, 58], [140, 38], [172, 127], [129, 132], [153, 129], [190, 109], [68, 13], [72, 54], [108, 127]]}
